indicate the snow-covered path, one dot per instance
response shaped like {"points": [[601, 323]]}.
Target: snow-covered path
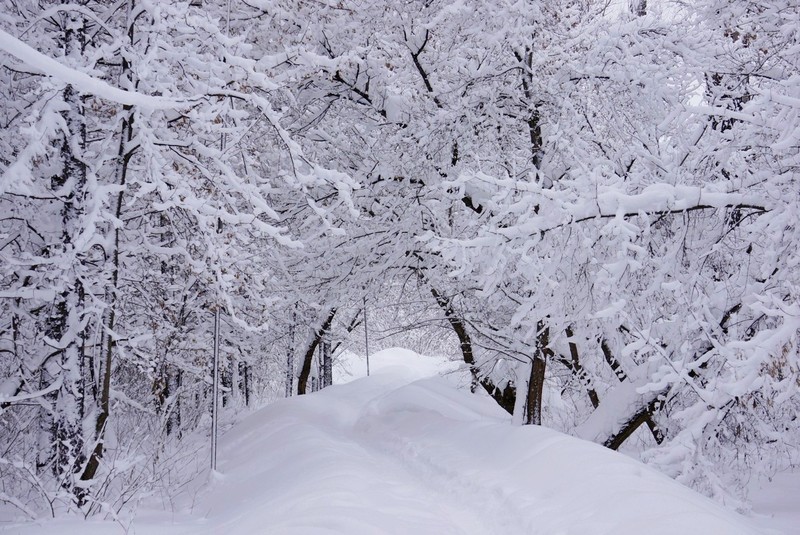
{"points": [[327, 472], [397, 454]]}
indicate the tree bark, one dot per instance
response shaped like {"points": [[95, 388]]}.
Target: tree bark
{"points": [[641, 416], [533, 411], [305, 371], [65, 324], [289, 382], [327, 362], [578, 370]]}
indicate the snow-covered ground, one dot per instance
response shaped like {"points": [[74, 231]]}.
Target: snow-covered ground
{"points": [[401, 452], [776, 503]]}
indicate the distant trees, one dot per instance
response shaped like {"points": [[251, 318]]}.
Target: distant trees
{"points": [[599, 205]]}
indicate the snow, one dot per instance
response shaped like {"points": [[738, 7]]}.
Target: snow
{"points": [[82, 81], [351, 366], [776, 502], [406, 451]]}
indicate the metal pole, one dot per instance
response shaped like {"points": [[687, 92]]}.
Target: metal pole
{"points": [[214, 392], [366, 334]]}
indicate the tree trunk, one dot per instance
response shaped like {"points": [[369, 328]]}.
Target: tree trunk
{"points": [[506, 396], [65, 323], [305, 371], [244, 374], [124, 155], [640, 417], [579, 371], [327, 363], [533, 411], [289, 384]]}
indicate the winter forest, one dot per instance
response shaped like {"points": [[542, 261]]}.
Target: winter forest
{"points": [[593, 206]]}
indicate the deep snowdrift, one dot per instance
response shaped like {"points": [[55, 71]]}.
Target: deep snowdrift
{"points": [[397, 454]]}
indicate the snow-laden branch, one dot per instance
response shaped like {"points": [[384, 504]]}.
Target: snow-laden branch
{"points": [[6, 398], [658, 198], [654, 199], [82, 81]]}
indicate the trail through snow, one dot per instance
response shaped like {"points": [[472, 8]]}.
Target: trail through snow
{"points": [[397, 453]]}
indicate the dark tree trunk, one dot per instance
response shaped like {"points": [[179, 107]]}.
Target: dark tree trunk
{"points": [[578, 370], [643, 415], [506, 396], [289, 384], [533, 406], [244, 382], [124, 155], [305, 371]]}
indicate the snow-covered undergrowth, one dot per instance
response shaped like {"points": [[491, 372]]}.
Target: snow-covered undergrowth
{"points": [[402, 453]]}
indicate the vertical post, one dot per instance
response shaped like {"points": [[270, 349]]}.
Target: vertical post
{"points": [[214, 392], [366, 334]]}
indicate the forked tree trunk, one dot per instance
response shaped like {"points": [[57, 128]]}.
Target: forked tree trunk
{"points": [[643, 416]]}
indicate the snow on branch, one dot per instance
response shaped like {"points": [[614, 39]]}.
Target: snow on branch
{"points": [[82, 81], [7, 398], [655, 199], [660, 198]]}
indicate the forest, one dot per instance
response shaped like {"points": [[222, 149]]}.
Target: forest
{"points": [[592, 205]]}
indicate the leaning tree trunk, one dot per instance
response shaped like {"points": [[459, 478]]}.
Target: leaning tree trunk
{"points": [[506, 396], [316, 338], [644, 415]]}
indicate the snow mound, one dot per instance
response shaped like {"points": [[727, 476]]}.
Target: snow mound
{"points": [[398, 455], [395, 454]]}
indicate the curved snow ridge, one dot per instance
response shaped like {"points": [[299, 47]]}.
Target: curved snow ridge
{"points": [[390, 455], [296, 468], [556, 483]]}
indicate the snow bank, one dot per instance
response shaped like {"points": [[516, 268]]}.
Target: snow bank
{"points": [[390, 454], [395, 454]]}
